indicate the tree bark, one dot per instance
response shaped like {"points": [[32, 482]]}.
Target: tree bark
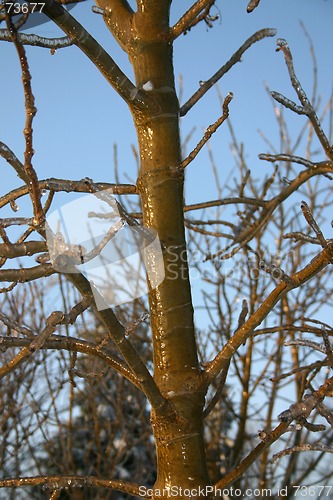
{"points": [[179, 438]]}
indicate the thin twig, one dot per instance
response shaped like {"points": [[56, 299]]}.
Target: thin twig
{"points": [[328, 346], [38, 41], [306, 343], [304, 447], [209, 132], [51, 324], [186, 21], [117, 333], [252, 456], [259, 35], [307, 106], [324, 258], [30, 111], [63, 481], [243, 314], [219, 390], [71, 344], [68, 186], [313, 224], [287, 158], [10, 157], [298, 236], [253, 4], [288, 103]]}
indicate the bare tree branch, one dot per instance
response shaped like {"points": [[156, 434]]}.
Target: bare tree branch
{"points": [[307, 106], [72, 344], [209, 132], [259, 35], [235, 474], [285, 157], [118, 335], [253, 4], [38, 41], [246, 231], [298, 449], [26, 274], [63, 482], [186, 21], [68, 186], [30, 111], [323, 259], [101, 59], [313, 224], [12, 250]]}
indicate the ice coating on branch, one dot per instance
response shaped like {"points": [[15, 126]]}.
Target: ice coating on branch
{"points": [[40, 41], [301, 409], [281, 43], [13, 205], [252, 5]]}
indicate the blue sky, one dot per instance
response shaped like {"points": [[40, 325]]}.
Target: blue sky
{"points": [[80, 117]]}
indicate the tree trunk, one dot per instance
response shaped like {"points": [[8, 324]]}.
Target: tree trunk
{"points": [[179, 439]]}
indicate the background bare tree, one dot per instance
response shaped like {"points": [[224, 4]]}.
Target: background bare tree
{"points": [[232, 403]]}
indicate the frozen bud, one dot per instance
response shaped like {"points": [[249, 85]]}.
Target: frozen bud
{"points": [[13, 205], [301, 409]]}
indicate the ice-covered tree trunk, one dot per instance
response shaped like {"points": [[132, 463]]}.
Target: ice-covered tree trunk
{"points": [[179, 437]]}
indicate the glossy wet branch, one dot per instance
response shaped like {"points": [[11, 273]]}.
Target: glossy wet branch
{"points": [[38, 41], [288, 158], [10, 157], [269, 439], [30, 112], [118, 16], [59, 482], [307, 107], [209, 131], [24, 275], [308, 215], [302, 409], [70, 344], [186, 21], [246, 232], [67, 186], [101, 59], [237, 56], [117, 333], [225, 201], [322, 260], [253, 4]]}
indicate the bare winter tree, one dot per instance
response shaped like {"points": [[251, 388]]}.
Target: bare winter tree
{"points": [[239, 405]]}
